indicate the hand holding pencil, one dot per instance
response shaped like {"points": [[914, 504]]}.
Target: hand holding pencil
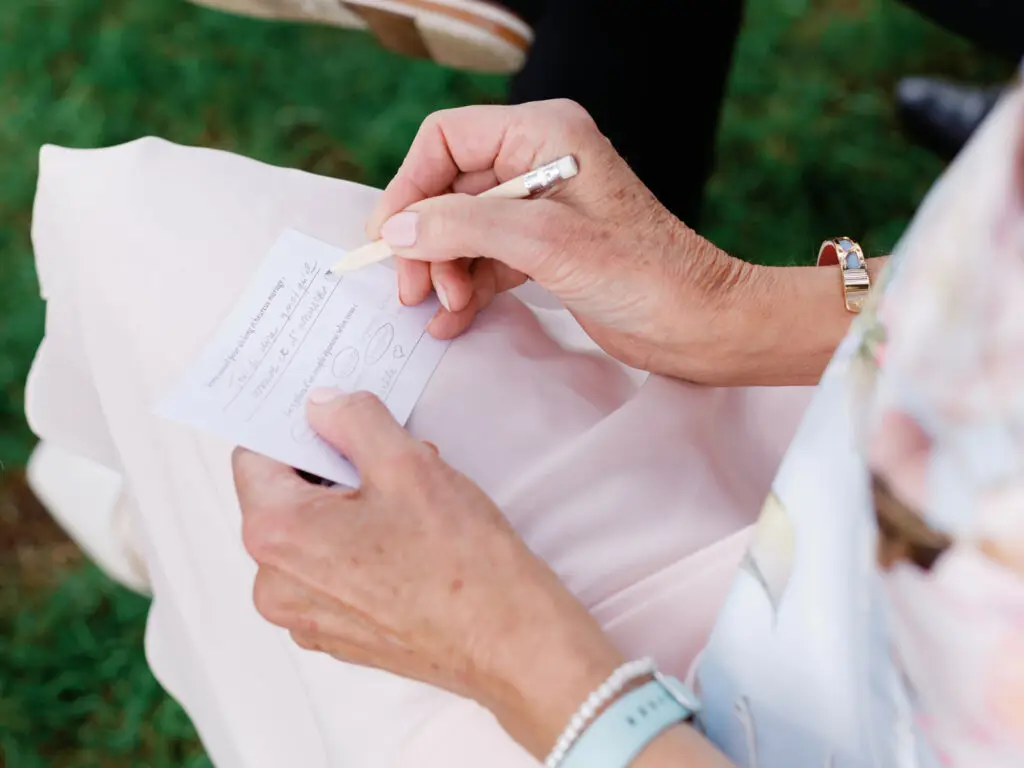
{"points": [[601, 242], [535, 182]]}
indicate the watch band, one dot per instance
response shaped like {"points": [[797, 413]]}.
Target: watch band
{"points": [[595, 703], [622, 731], [853, 269]]}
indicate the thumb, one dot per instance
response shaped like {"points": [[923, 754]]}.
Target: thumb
{"points": [[523, 234], [360, 427]]}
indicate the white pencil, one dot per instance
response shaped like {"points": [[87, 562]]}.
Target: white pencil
{"points": [[518, 188]]}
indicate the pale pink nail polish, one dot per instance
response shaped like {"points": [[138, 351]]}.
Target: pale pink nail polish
{"points": [[400, 230], [442, 296], [324, 395]]}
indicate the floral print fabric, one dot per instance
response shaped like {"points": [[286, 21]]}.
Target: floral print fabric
{"points": [[878, 616]]}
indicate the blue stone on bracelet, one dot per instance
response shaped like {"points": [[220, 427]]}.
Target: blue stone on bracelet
{"points": [[852, 262], [845, 244]]}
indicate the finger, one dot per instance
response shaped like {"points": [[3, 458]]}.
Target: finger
{"points": [[414, 278], [485, 282], [475, 182], [414, 284], [307, 610], [523, 234], [511, 140], [360, 427], [282, 599], [452, 283], [445, 325], [447, 144], [293, 532], [349, 635], [334, 622], [259, 480], [506, 278], [489, 279], [376, 654], [431, 446]]}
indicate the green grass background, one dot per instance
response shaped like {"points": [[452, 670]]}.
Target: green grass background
{"points": [[808, 148]]}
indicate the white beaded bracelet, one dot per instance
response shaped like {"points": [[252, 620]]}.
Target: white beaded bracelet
{"points": [[605, 693]]}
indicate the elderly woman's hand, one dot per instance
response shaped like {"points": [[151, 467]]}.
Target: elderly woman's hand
{"points": [[417, 573], [602, 243], [648, 289]]}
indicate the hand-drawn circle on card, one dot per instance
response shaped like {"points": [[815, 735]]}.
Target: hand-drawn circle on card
{"points": [[345, 363], [399, 353], [379, 343], [302, 432]]}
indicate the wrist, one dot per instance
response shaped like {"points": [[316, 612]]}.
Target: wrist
{"points": [[788, 323], [700, 292], [536, 704], [547, 667], [769, 326], [681, 745]]}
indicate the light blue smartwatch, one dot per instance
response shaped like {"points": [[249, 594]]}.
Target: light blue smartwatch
{"points": [[622, 731]]}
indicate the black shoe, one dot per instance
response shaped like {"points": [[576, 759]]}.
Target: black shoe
{"points": [[941, 115]]}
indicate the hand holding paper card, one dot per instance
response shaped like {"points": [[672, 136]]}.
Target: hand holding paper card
{"points": [[293, 330]]}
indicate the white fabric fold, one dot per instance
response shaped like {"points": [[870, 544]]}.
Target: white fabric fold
{"points": [[627, 488]]}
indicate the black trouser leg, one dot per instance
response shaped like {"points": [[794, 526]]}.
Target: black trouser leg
{"points": [[996, 26], [651, 72]]}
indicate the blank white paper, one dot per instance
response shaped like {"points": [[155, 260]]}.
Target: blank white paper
{"points": [[295, 329]]}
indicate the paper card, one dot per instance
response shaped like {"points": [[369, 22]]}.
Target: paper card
{"points": [[293, 330]]}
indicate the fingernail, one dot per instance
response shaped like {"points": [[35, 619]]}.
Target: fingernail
{"points": [[400, 230], [432, 327], [442, 296], [324, 395]]}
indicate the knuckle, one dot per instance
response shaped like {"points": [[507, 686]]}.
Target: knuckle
{"points": [[439, 117], [432, 123], [407, 469], [571, 111], [573, 117], [267, 599], [360, 404], [307, 641], [442, 220], [239, 464], [431, 229], [265, 536]]}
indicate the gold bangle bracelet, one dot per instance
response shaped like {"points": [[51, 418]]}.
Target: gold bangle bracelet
{"points": [[853, 269]]}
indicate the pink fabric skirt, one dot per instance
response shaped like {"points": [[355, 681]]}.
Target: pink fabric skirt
{"points": [[637, 490]]}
